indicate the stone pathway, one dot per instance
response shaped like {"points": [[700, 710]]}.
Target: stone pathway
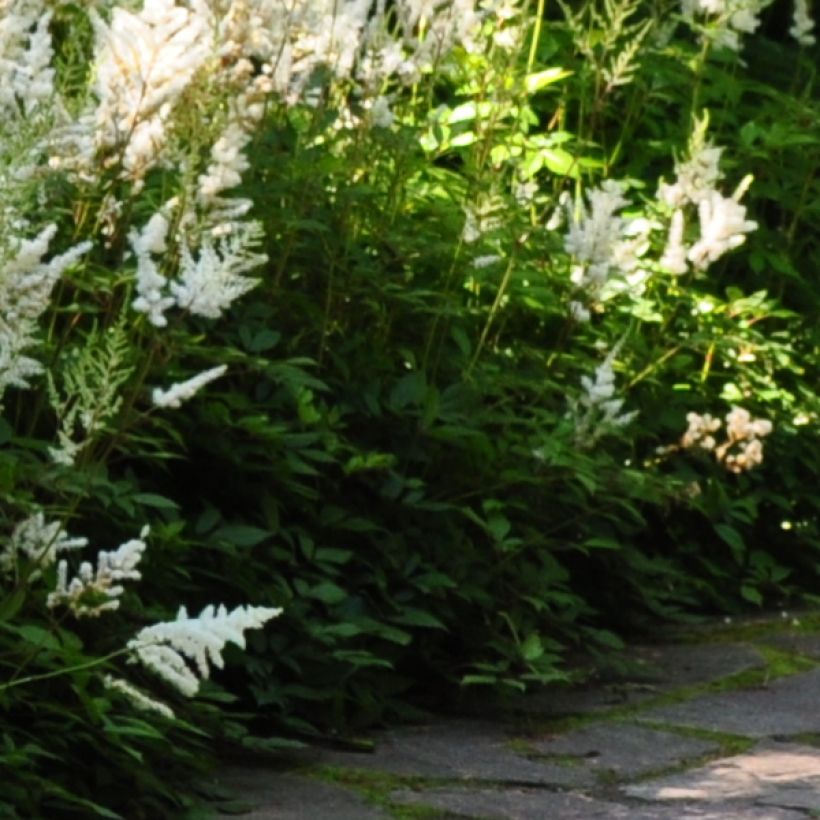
{"points": [[724, 726]]}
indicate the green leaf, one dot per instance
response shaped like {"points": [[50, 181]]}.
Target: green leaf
{"points": [[37, 636], [418, 617], [560, 162], [409, 390], [10, 605], [541, 79], [160, 502], [734, 539], [486, 680], [751, 594], [327, 592], [243, 535], [532, 648]]}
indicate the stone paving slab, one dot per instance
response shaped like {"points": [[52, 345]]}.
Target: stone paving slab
{"points": [[787, 706], [793, 798], [802, 644], [533, 804], [484, 769], [656, 669], [278, 795], [769, 773], [624, 750], [458, 749]]}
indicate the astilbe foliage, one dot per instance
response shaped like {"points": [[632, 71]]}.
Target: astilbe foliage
{"points": [[427, 421]]}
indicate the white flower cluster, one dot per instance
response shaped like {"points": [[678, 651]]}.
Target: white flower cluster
{"points": [[742, 450], [143, 64], [594, 233], [182, 391], [164, 647], [146, 60], [802, 24], [207, 284], [40, 541], [26, 282], [699, 432], [137, 697], [91, 592], [722, 220], [26, 76], [606, 247], [725, 20], [597, 410]]}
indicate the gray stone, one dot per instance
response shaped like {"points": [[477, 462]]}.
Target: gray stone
{"points": [[521, 804], [624, 750], [653, 670], [787, 706], [768, 770], [807, 798], [277, 795], [458, 749], [535, 804], [797, 642]]}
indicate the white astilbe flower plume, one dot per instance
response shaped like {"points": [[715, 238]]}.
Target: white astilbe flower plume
{"points": [[207, 285], [603, 243], [726, 20], [598, 409], [26, 283], [39, 541], [143, 702], [152, 298], [802, 24], [164, 647], [674, 254], [182, 391], [91, 593], [723, 226], [144, 62], [696, 176], [26, 76]]}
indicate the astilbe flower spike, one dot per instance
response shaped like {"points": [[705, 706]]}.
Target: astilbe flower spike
{"points": [[39, 541], [164, 647], [182, 391], [91, 592]]}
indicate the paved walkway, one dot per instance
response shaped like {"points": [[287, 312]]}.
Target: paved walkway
{"points": [[724, 726]]}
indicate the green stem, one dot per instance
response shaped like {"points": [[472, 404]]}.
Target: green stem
{"points": [[66, 671]]}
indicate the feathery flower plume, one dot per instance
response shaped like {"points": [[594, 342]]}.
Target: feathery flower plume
{"points": [[802, 24], [138, 698], [91, 593], [26, 75], [151, 284], [209, 284], [39, 541], [595, 230], [597, 410], [726, 20], [742, 449], [723, 226], [164, 647], [144, 62], [182, 391], [26, 283], [674, 254]]}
